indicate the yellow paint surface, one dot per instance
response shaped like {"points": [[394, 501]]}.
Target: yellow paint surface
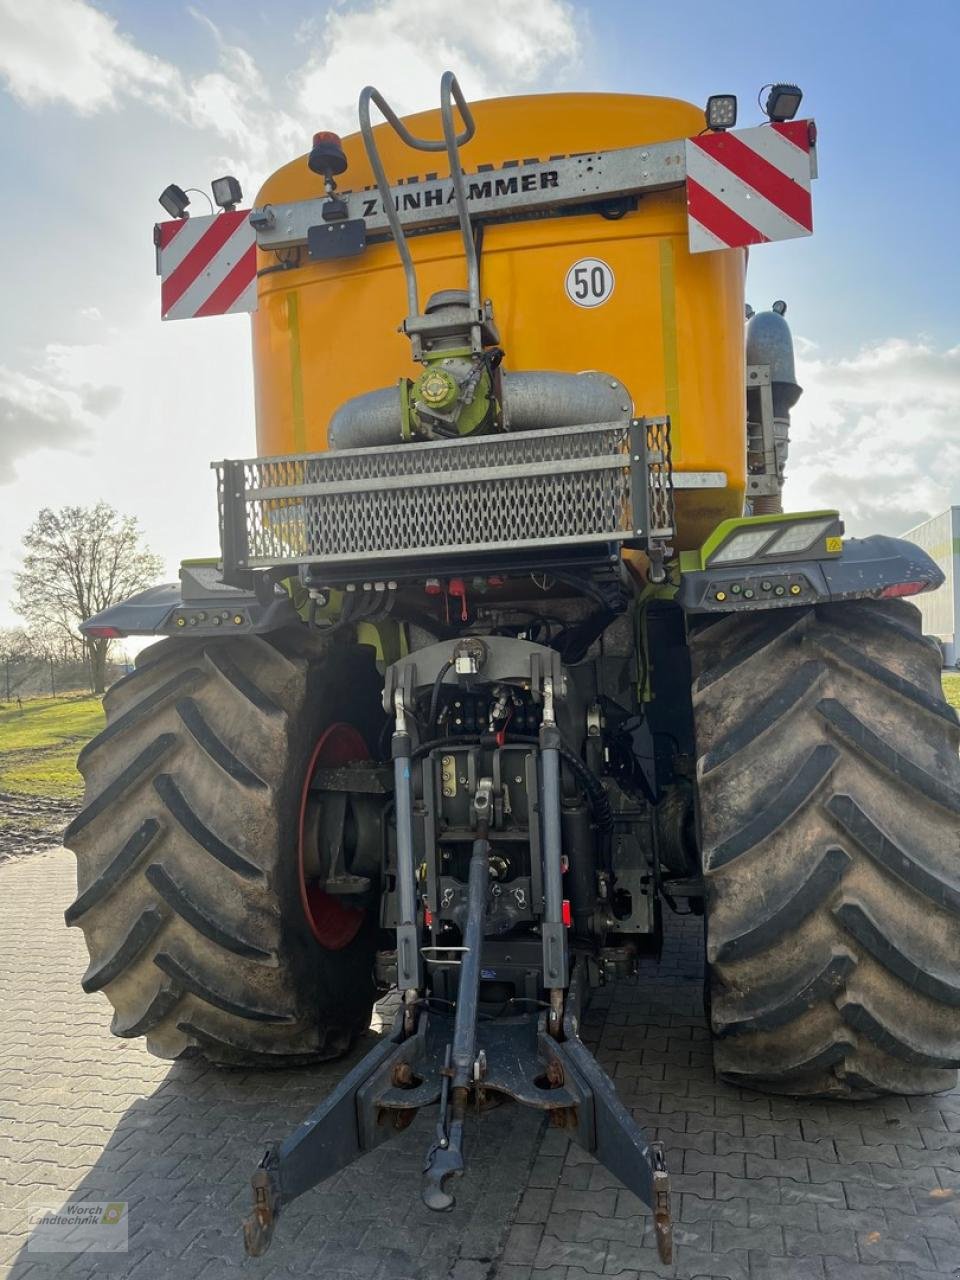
{"points": [[671, 331]]}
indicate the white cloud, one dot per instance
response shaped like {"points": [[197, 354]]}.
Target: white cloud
{"points": [[46, 408], [401, 46], [877, 435], [185, 397], [133, 410], [237, 104], [68, 51]]}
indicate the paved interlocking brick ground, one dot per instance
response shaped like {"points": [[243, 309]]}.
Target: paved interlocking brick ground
{"points": [[764, 1188]]}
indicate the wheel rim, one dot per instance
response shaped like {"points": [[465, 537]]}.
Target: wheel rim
{"points": [[333, 924]]}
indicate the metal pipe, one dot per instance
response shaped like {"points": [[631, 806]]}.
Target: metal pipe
{"points": [[448, 87], [465, 1024], [370, 94], [552, 841], [553, 932], [445, 1158], [532, 401], [409, 961]]}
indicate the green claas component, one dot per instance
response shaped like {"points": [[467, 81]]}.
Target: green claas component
{"points": [[453, 396], [504, 666], [777, 536]]}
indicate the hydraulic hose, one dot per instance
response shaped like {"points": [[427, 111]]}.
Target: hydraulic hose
{"points": [[435, 695]]}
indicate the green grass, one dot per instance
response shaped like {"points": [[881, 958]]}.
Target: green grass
{"points": [[39, 745], [951, 687]]}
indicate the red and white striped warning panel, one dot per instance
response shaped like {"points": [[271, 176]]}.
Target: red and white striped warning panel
{"points": [[749, 186], [207, 266]]}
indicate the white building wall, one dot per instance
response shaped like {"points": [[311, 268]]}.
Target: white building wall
{"points": [[940, 538]]}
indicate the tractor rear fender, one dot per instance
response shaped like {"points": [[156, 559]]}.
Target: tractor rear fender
{"points": [[199, 604], [831, 569]]}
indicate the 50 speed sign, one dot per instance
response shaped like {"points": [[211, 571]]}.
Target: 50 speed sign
{"points": [[589, 282]]}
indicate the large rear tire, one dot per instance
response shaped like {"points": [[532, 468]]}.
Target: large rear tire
{"points": [[829, 799], [189, 884]]}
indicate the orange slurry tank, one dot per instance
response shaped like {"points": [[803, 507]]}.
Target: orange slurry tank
{"points": [[671, 329]]}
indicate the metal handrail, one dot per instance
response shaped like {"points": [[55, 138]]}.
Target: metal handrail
{"points": [[451, 142]]}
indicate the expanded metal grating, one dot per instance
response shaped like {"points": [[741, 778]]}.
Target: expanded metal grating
{"points": [[660, 465], [571, 485]]}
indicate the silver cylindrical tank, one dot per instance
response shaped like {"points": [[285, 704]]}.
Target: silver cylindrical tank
{"points": [[770, 343], [533, 401]]}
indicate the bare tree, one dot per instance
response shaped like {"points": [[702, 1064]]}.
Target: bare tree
{"points": [[14, 659], [77, 561]]}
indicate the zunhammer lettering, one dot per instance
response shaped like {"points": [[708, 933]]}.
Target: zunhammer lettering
{"points": [[487, 189]]}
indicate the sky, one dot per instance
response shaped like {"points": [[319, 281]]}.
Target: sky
{"points": [[102, 104]]}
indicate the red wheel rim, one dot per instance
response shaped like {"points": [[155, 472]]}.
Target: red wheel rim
{"points": [[332, 922]]}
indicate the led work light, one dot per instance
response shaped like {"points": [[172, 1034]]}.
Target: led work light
{"points": [[783, 101], [226, 193], [175, 200], [721, 111]]}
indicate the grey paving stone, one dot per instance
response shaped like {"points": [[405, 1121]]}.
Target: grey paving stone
{"points": [[841, 1269], [863, 1195], [535, 1204], [707, 1162], [765, 1188], [588, 1255], [786, 1214], [464, 1270], [765, 1267], [759, 1124], [850, 1152], [759, 1145], [795, 1192], [944, 1226], [945, 1255], [522, 1243], [696, 1263], [760, 1167], [569, 1199], [913, 1249], [804, 1243], [694, 1210], [767, 1239], [818, 1149], [564, 1226]]}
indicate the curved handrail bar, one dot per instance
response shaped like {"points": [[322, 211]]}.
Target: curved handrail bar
{"points": [[448, 87], [451, 142]]}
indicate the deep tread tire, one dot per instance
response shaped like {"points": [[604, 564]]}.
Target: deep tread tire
{"points": [[829, 813], [186, 851]]}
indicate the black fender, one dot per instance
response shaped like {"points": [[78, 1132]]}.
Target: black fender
{"points": [[872, 568]]}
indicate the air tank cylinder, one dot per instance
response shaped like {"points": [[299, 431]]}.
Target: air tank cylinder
{"points": [[770, 343]]}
